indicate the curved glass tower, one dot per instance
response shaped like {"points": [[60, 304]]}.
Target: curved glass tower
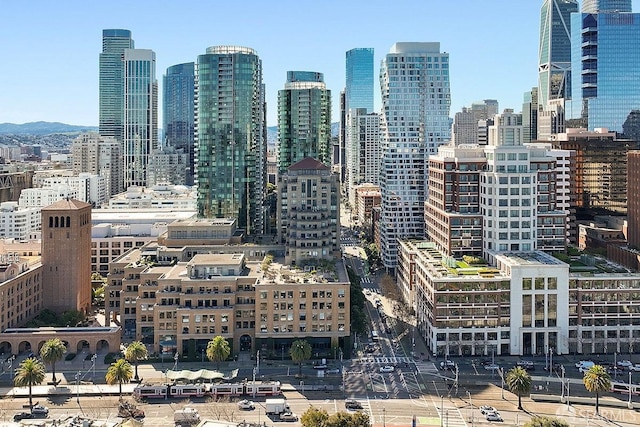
{"points": [[304, 119], [231, 136]]}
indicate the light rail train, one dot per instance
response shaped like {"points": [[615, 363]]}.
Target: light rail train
{"points": [[177, 391]]}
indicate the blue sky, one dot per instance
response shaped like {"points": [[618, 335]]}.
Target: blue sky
{"points": [[49, 49]]}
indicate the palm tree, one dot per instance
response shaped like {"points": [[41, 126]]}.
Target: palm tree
{"points": [[51, 352], [519, 382], [135, 352], [597, 380], [29, 373], [218, 350], [119, 372], [300, 351]]}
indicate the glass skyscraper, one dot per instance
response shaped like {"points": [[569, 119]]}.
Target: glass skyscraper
{"points": [[606, 63], [111, 82], [304, 119], [359, 82], [231, 136], [140, 114], [178, 112], [414, 80], [598, 6], [554, 59]]}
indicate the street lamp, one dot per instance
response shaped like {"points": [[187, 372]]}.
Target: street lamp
{"points": [[384, 417], [202, 355], [175, 361], [441, 408], [502, 382], [471, 403], [562, 382], [630, 404], [78, 387], [258, 362], [615, 364], [93, 365]]}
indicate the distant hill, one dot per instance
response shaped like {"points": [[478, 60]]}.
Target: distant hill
{"points": [[43, 128]]}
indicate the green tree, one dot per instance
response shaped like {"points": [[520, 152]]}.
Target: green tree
{"points": [[314, 417], [135, 352], [218, 350], [518, 381], [344, 419], [546, 422], [597, 380], [119, 372], [300, 351], [30, 372], [52, 351], [357, 303]]}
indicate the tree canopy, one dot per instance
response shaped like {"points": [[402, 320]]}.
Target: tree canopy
{"points": [[597, 380], [519, 382], [314, 417], [52, 351], [30, 372], [135, 352], [300, 351], [119, 372], [546, 422], [218, 350]]}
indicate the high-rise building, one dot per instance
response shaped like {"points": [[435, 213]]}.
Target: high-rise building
{"points": [[359, 82], [466, 126], [178, 117], [605, 90], [304, 120], [309, 212], [554, 55], [231, 151], [167, 166], [633, 207], [600, 6], [99, 155], [140, 114], [530, 115], [362, 151], [111, 84], [66, 256], [414, 81]]}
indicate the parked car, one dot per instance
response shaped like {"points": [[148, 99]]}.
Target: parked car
{"points": [[625, 364], [485, 409], [320, 366], [246, 405], [527, 365], [386, 369], [492, 367], [288, 416], [635, 368], [447, 364], [22, 416], [586, 366], [39, 410], [332, 371], [493, 416], [581, 363], [352, 404]]}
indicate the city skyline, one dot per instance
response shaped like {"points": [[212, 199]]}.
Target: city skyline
{"points": [[67, 91]]}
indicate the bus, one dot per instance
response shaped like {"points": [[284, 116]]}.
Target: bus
{"points": [[374, 336]]}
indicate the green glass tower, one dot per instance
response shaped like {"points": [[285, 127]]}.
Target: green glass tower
{"points": [[231, 136], [304, 120]]}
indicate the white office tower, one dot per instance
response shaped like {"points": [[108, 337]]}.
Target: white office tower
{"points": [[518, 193], [414, 80], [362, 150], [99, 155], [167, 166], [19, 222]]}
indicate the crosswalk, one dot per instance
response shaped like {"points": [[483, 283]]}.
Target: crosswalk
{"points": [[426, 367], [385, 360], [365, 280], [449, 413]]}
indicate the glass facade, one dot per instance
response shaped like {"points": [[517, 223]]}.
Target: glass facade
{"points": [[140, 114], [111, 82], [595, 6], [605, 58], [554, 62], [231, 136], [304, 120], [359, 82], [178, 112]]}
